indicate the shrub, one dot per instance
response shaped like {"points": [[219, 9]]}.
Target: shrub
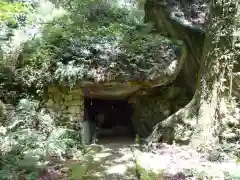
{"points": [[30, 140]]}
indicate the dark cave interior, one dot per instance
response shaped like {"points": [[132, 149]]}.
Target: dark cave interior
{"points": [[111, 118]]}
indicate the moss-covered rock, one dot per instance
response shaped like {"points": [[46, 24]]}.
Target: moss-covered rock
{"points": [[188, 23], [99, 48], [79, 169], [148, 113], [157, 106], [182, 24]]}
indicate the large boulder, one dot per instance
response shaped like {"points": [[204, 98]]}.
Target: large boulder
{"points": [[187, 21], [113, 53], [109, 58], [184, 20], [121, 69], [156, 106]]}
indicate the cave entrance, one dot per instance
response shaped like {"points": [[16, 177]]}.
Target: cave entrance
{"points": [[108, 118]]}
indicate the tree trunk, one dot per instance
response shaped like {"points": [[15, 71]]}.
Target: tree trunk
{"points": [[214, 79]]}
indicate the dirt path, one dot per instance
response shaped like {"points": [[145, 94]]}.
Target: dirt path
{"points": [[115, 161]]}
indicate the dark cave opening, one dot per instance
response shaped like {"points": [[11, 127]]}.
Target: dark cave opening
{"points": [[109, 118]]}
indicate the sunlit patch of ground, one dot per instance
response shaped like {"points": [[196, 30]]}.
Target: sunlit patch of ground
{"points": [[173, 160], [115, 162]]}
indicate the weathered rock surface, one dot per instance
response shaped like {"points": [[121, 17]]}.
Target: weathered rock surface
{"points": [[119, 75], [155, 107], [171, 18], [187, 21], [119, 66]]}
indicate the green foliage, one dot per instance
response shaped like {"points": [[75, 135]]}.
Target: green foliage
{"points": [[29, 139], [79, 170], [70, 44], [12, 15], [103, 42], [150, 175], [9, 10], [137, 139], [35, 63]]}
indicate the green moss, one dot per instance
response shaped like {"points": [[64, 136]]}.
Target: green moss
{"points": [[184, 54], [148, 112], [143, 174], [80, 170], [77, 171]]}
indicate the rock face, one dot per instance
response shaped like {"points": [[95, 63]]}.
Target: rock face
{"points": [[115, 90], [153, 108], [174, 19], [124, 68], [120, 76], [132, 53], [185, 20], [236, 81], [120, 72]]}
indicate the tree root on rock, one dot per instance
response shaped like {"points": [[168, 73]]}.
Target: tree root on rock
{"points": [[164, 131]]}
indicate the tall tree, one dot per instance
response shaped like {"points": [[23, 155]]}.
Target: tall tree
{"points": [[212, 100]]}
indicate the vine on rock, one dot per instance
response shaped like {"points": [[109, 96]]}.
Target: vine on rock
{"points": [[212, 104]]}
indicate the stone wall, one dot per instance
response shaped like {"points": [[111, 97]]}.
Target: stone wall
{"points": [[68, 103]]}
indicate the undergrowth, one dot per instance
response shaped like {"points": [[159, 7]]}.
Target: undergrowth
{"points": [[30, 140]]}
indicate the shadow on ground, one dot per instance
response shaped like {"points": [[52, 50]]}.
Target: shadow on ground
{"points": [[115, 161]]}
